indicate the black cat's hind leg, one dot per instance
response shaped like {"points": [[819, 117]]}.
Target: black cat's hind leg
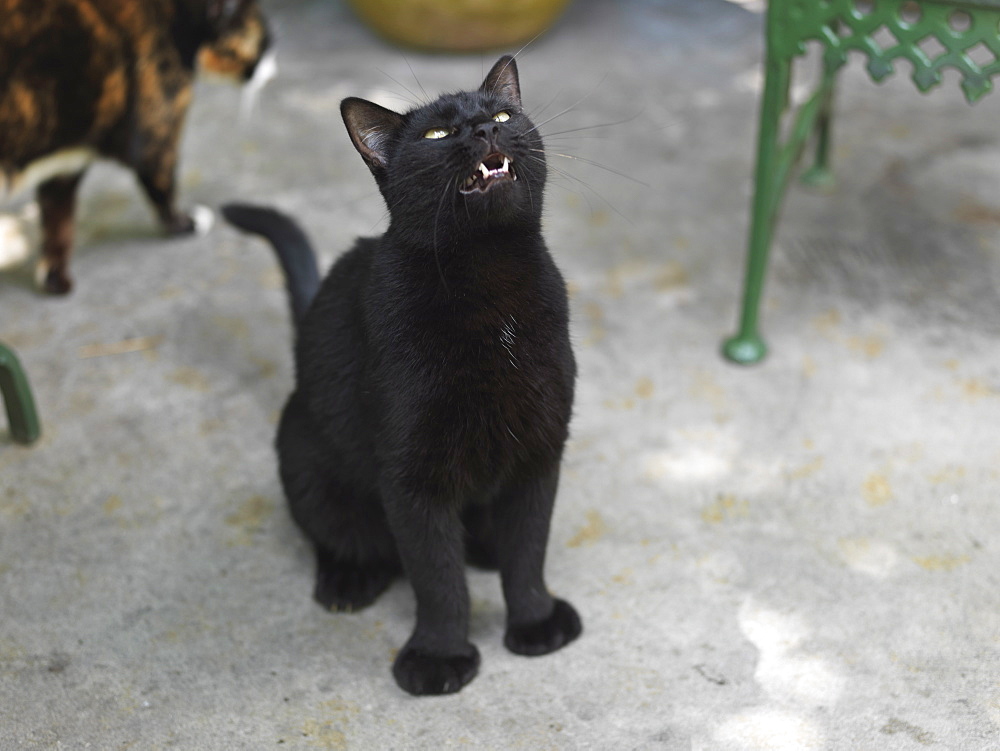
{"points": [[57, 204], [537, 623], [356, 558], [346, 586]]}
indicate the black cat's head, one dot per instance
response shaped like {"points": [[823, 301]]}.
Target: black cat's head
{"points": [[463, 163]]}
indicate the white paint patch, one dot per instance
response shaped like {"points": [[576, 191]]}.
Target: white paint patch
{"points": [[770, 729], [61, 163], [782, 671], [203, 218], [870, 557], [266, 70]]}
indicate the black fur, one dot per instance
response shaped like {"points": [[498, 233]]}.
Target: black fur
{"points": [[435, 383]]}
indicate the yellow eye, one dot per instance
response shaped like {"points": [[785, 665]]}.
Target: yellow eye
{"points": [[502, 117], [437, 133]]}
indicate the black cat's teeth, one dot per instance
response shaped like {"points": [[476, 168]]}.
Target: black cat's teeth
{"points": [[494, 168]]}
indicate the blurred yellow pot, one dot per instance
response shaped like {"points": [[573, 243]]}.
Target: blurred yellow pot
{"points": [[459, 25]]}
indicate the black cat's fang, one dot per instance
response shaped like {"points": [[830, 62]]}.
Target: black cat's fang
{"points": [[494, 169]]}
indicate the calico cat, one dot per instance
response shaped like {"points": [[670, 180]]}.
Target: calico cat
{"points": [[86, 78], [434, 379]]}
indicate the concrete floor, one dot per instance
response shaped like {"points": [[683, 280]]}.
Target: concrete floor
{"points": [[798, 555]]}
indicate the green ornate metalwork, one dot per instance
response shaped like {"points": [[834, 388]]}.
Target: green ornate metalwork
{"points": [[930, 34], [21, 413]]}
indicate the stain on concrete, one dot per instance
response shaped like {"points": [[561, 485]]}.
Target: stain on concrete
{"points": [[136, 344], [970, 211], [625, 576], [871, 346], [895, 726], [112, 504], [250, 518], [726, 507], [237, 328], [644, 388], [594, 314], [949, 475], [876, 490], [591, 532], [669, 276], [808, 469], [974, 389], [705, 388], [943, 563], [190, 378], [320, 734]]}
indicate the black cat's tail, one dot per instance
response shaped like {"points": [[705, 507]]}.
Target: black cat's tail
{"points": [[295, 253]]}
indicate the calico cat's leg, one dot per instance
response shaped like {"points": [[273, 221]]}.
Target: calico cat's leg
{"points": [[356, 557], [438, 657], [537, 623], [157, 175], [57, 203]]}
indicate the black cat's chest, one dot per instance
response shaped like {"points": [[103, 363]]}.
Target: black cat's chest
{"points": [[478, 383]]}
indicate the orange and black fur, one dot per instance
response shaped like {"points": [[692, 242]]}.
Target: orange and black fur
{"points": [[81, 79]]}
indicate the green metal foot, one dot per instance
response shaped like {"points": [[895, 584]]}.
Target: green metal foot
{"points": [[819, 177], [24, 426], [744, 350]]}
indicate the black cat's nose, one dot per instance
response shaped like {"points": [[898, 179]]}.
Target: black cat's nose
{"points": [[486, 131]]}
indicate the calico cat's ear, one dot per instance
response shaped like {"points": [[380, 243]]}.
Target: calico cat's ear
{"points": [[220, 11], [502, 80], [371, 128]]}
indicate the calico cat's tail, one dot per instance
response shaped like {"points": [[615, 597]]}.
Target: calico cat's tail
{"points": [[295, 253]]}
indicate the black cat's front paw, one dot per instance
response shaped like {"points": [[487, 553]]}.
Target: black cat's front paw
{"points": [[349, 587], [547, 635], [423, 674]]}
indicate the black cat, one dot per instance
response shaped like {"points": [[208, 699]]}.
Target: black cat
{"points": [[434, 379]]}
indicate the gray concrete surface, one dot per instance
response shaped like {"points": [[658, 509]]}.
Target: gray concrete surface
{"points": [[800, 555]]}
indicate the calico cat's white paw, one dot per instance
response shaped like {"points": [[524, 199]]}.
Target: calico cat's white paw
{"points": [[203, 219], [14, 248]]}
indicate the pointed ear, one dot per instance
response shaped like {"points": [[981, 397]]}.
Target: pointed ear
{"points": [[220, 11], [502, 80], [371, 128]]}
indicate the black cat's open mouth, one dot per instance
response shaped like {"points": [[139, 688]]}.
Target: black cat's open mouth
{"points": [[495, 168]]}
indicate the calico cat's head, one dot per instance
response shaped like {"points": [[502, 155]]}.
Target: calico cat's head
{"points": [[238, 39], [465, 162]]}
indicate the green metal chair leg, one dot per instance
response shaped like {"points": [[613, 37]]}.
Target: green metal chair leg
{"points": [[21, 413], [819, 175], [747, 346]]}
